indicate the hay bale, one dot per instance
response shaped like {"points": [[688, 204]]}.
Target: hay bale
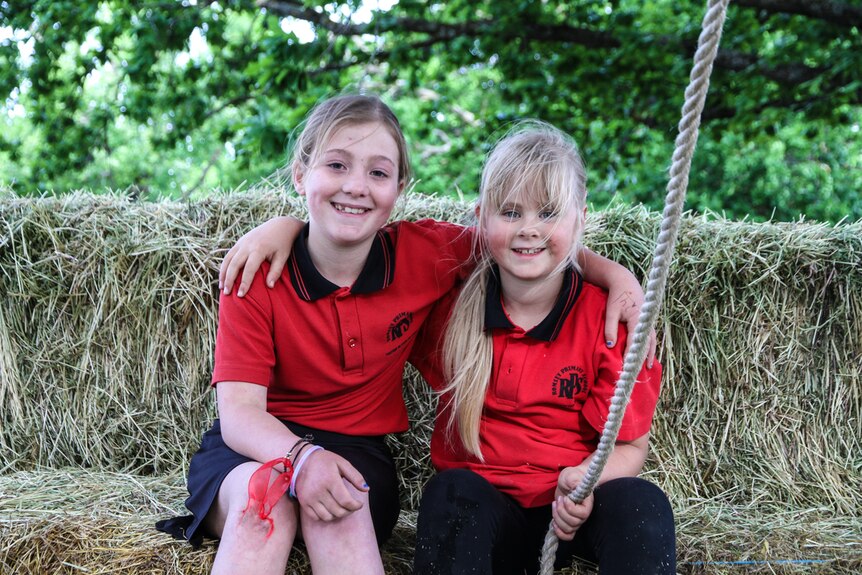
{"points": [[107, 328], [72, 521], [78, 521]]}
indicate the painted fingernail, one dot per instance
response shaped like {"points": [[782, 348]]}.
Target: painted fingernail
{"points": [[609, 343], [365, 485], [270, 283]]}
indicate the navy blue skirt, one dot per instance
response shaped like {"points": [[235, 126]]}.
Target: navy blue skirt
{"points": [[214, 460]]}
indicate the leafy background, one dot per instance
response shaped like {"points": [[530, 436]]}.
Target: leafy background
{"points": [[176, 98]]}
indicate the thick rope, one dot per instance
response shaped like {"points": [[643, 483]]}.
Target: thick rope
{"points": [[695, 96]]}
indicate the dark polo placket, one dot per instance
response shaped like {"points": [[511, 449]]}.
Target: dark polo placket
{"points": [[377, 273], [518, 344]]}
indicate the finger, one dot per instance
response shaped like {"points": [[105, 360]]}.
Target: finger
{"points": [[252, 264], [572, 514], [223, 274], [233, 266], [352, 476], [629, 341], [563, 535], [275, 269], [563, 529], [344, 503], [340, 500], [612, 322], [321, 511], [344, 498]]}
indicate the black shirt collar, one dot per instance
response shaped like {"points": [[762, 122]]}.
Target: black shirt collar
{"points": [[549, 328], [377, 273]]}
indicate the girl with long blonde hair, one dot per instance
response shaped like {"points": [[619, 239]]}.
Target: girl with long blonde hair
{"points": [[525, 379]]}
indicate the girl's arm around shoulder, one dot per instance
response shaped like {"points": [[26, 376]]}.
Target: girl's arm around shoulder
{"points": [[271, 241], [625, 296], [447, 246]]}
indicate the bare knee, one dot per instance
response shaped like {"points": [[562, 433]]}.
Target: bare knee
{"points": [[250, 524], [233, 513]]}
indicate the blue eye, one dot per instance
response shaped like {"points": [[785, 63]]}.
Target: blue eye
{"points": [[510, 214], [548, 215]]}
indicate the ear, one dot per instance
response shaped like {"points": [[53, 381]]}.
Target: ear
{"points": [[401, 185], [476, 211], [298, 174]]}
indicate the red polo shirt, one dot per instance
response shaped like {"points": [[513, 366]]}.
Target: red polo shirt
{"points": [[332, 357], [549, 394]]}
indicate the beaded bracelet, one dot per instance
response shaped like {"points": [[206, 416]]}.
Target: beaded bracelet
{"points": [[304, 440]]}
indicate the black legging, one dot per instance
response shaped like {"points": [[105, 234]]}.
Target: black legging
{"points": [[467, 526]]}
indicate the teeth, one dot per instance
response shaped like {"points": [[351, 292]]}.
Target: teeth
{"points": [[529, 252], [349, 210]]}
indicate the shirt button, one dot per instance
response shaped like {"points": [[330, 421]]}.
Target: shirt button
{"points": [[351, 342]]}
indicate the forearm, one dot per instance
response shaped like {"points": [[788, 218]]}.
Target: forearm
{"points": [[626, 460], [248, 428], [603, 272], [255, 434]]}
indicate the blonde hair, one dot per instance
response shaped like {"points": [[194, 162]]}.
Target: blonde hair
{"points": [[533, 159], [333, 114]]}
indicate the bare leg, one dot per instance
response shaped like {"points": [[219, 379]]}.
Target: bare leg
{"points": [[244, 545], [345, 546]]}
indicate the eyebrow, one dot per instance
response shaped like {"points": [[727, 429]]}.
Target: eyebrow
{"points": [[510, 206], [376, 157]]}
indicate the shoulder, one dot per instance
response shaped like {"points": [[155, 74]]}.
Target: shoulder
{"points": [[593, 296], [258, 293], [587, 318], [443, 241], [427, 229]]}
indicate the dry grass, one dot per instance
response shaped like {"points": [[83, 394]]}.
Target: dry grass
{"points": [[107, 327]]}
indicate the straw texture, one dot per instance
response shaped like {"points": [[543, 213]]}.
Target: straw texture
{"points": [[107, 327]]}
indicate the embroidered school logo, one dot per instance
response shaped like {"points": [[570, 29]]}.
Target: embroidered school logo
{"points": [[569, 382], [399, 326]]}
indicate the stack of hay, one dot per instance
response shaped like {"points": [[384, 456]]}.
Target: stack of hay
{"points": [[107, 327]]}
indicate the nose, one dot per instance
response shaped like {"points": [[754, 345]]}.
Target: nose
{"points": [[355, 183], [529, 228]]}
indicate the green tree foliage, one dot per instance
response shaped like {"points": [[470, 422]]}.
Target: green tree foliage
{"points": [[175, 97]]}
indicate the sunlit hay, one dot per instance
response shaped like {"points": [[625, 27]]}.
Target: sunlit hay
{"points": [[107, 329], [79, 521], [74, 521]]}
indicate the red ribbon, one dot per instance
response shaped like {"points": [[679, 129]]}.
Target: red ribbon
{"points": [[266, 495]]}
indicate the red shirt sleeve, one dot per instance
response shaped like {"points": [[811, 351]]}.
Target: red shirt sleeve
{"points": [[641, 407], [455, 244], [244, 342]]}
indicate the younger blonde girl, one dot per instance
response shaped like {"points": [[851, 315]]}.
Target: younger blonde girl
{"points": [[526, 378]]}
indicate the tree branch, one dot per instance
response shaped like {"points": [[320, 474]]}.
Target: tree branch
{"points": [[790, 74], [440, 31], [837, 13]]}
